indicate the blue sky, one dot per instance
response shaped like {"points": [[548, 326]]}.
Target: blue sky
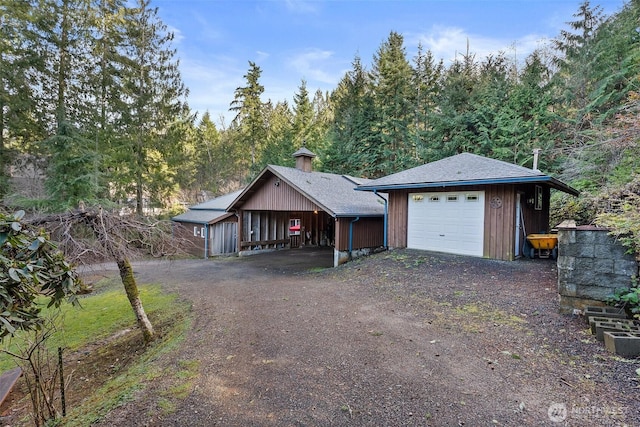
{"points": [[317, 40]]}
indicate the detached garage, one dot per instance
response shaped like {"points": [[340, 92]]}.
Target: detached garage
{"points": [[468, 205]]}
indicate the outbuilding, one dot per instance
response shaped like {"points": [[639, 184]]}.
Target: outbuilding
{"points": [[209, 227], [467, 204], [287, 207]]}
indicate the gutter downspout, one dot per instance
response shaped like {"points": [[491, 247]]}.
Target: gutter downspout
{"points": [[386, 216], [351, 234], [206, 241]]}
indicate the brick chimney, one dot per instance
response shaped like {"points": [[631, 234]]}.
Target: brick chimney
{"points": [[304, 157]]}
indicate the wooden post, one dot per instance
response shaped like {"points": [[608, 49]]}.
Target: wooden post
{"points": [[62, 396]]}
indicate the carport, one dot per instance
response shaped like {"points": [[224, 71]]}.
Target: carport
{"points": [[285, 208]]}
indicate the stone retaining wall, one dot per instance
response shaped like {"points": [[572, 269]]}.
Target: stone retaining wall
{"points": [[591, 265]]}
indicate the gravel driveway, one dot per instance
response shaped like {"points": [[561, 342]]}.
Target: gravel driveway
{"points": [[401, 338]]}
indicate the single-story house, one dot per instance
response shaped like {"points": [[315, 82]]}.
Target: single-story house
{"points": [[209, 228], [467, 204], [287, 207]]}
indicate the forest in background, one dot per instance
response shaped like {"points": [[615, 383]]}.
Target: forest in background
{"points": [[93, 110]]}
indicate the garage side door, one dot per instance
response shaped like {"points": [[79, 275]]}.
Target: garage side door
{"points": [[446, 222]]}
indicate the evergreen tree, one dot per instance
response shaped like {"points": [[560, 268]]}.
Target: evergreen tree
{"points": [[279, 145], [20, 126], [103, 77], [151, 111], [303, 117], [70, 173], [426, 85], [489, 97], [214, 162], [249, 120], [575, 60], [351, 134], [454, 126], [524, 120], [616, 62], [323, 116], [391, 79]]}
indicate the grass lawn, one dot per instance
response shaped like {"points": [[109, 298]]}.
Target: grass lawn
{"points": [[101, 315]]}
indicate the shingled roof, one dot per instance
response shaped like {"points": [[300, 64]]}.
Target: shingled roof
{"points": [[334, 193], [209, 212], [462, 170]]}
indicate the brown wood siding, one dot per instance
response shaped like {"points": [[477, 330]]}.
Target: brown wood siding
{"points": [[280, 197], [397, 220], [367, 233], [499, 222]]}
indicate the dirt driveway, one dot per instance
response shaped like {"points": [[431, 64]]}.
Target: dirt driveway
{"points": [[402, 338]]}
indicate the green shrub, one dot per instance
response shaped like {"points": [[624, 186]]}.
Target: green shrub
{"points": [[627, 298]]}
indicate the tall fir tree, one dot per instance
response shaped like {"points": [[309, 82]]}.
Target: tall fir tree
{"points": [[20, 65], [323, 116], [302, 116], [70, 173], [350, 134], [279, 144], [249, 121], [575, 59], [453, 125], [525, 118], [391, 78], [104, 78], [426, 84], [151, 109], [616, 62]]}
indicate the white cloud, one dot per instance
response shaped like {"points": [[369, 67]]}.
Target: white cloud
{"points": [[262, 56], [317, 65], [177, 34], [211, 84], [302, 6], [447, 43]]}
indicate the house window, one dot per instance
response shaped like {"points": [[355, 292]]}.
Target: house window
{"points": [[418, 197], [472, 197], [203, 232], [195, 231], [294, 227], [538, 201], [452, 198], [434, 198]]}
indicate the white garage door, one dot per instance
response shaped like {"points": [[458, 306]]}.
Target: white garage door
{"points": [[446, 222]]}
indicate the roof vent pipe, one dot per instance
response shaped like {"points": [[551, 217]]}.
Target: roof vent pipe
{"points": [[536, 153]]}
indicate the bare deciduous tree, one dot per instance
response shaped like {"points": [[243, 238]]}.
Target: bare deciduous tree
{"points": [[92, 235]]}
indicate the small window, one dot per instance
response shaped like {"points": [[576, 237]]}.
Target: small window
{"points": [[418, 197], [195, 231], [538, 202], [452, 198], [434, 198], [472, 197], [203, 232]]}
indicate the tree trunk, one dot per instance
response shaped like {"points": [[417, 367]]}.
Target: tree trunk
{"points": [[131, 288]]}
